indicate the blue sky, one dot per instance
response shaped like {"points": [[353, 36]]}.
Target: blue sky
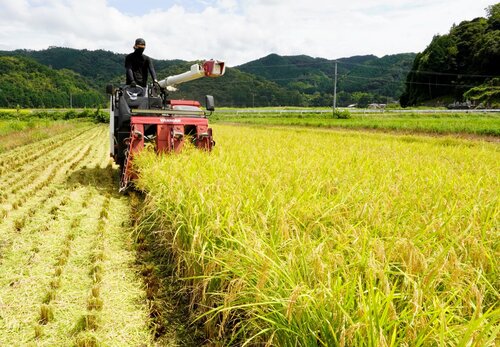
{"points": [[143, 7], [236, 31], [146, 6]]}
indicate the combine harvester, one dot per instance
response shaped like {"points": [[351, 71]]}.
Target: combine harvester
{"points": [[140, 115]]}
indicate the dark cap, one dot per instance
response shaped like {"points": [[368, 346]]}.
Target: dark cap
{"points": [[140, 42]]}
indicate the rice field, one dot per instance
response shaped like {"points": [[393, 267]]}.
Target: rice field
{"points": [[310, 237], [279, 237]]}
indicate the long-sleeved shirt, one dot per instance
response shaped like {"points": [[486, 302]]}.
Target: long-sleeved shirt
{"points": [[137, 67]]}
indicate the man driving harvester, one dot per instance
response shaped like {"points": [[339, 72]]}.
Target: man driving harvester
{"points": [[138, 64]]}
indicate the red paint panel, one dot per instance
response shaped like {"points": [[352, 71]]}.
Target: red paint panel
{"points": [[163, 138]]}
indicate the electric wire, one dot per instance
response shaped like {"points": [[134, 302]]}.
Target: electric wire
{"points": [[385, 69]]}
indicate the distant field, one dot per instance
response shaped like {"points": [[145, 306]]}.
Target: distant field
{"points": [[23, 126], [483, 124]]}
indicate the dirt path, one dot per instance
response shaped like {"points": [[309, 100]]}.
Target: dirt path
{"points": [[68, 268]]}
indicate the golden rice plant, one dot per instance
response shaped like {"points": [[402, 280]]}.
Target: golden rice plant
{"points": [[306, 237], [46, 314]]}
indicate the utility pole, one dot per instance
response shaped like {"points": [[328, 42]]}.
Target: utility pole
{"points": [[335, 90]]}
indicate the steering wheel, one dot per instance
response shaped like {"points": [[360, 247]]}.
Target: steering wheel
{"points": [[134, 92]]}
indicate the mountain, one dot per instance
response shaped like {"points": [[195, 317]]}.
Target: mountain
{"points": [[270, 81], [380, 78], [463, 64]]}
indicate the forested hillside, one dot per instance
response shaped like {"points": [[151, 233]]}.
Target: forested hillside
{"points": [[461, 65], [271, 81], [26, 83], [361, 79]]}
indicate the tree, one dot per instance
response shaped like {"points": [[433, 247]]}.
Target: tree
{"points": [[493, 12], [467, 56]]}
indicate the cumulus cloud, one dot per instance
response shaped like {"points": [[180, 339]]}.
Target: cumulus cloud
{"points": [[235, 31]]}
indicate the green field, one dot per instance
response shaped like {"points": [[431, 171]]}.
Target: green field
{"points": [[435, 123], [312, 237]]}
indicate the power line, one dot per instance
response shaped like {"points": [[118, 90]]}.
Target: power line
{"points": [[371, 79], [384, 68], [445, 84], [451, 74]]}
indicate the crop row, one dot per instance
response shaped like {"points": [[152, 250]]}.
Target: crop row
{"points": [[46, 310], [90, 321], [25, 151], [12, 162]]}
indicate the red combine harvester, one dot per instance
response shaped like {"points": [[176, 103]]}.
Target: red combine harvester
{"points": [[140, 115]]}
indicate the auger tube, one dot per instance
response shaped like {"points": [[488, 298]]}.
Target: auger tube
{"points": [[210, 68]]}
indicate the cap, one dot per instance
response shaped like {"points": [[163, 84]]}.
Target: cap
{"points": [[140, 42]]}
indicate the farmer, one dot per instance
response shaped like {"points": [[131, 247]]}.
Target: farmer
{"points": [[137, 66]]}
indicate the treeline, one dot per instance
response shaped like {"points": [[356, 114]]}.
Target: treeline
{"points": [[461, 65], [301, 81], [234, 89]]}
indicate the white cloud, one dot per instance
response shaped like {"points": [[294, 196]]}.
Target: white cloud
{"points": [[235, 31]]}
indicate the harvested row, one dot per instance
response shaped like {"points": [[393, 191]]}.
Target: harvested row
{"points": [[22, 133], [32, 191], [67, 273], [12, 159], [46, 177], [38, 159], [25, 175], [44, 174]]}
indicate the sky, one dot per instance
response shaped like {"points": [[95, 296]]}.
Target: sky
{"points": [[234, 31]]}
